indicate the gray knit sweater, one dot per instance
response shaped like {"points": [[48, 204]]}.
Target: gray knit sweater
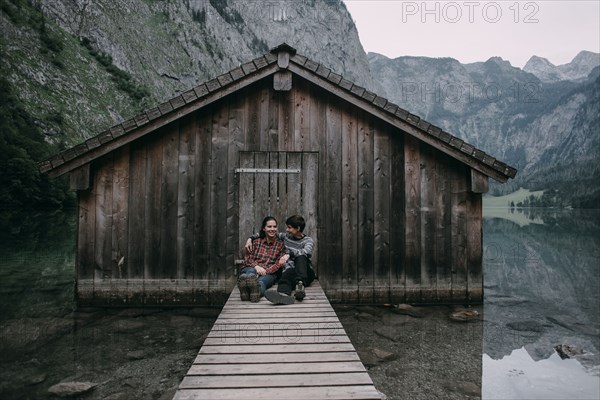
{"points": [[295, 247]]}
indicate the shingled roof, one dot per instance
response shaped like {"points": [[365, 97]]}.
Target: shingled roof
{"points": [[279, 58]]}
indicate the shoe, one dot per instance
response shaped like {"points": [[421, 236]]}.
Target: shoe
{"points": [[243, 287], [253, 288], [299, 294], [276, 297]]}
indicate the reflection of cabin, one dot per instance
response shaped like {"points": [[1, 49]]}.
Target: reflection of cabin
{"points": [[167, 198]]}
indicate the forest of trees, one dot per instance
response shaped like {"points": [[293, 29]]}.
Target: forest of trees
{"points": [[22, 145]]}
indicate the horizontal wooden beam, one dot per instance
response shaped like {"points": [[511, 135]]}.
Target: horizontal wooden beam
{"points": [[268, 170]]}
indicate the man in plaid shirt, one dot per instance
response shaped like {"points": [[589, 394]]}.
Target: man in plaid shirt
{"points": [[268, 255]]}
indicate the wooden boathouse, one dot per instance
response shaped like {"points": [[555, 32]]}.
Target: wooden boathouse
{"points": [[168, 197]]}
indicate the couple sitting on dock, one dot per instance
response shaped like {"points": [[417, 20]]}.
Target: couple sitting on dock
{"points": [[271, 255]]}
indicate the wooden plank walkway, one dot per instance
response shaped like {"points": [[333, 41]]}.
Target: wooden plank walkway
{"points": [[266, 351]]}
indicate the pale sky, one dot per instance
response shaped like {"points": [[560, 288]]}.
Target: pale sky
{"points": [[472, 31]]}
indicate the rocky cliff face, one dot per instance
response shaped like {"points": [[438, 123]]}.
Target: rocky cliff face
{"points": [[578, 69], [97, 62]]}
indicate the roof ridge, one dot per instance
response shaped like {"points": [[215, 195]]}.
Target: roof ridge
{"points": [[199, 91], [413, 119], [203, 89]]}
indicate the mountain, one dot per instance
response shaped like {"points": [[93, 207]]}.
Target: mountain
{"points": [[98, 62], [70, 69], [577, 69], [548, 129]]}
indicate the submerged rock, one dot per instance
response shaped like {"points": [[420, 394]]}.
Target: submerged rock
{"points": [[123, 326], [70, 389], [393, 319], [464, 388], [136, 355], [526, 326], [374, 356], [388, 332], [464, 315], [31, 333], [181, 321], [118, 396], [407, 309], [35, 379], [568, 351], [365, 317]]}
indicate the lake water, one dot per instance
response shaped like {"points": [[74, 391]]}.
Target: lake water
{"points": [[541, 290], [44, 339], [542, 282]]}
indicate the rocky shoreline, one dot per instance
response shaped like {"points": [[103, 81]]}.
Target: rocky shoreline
{"points": [[419, 352], [410, 352], [416, 353], [115, 354]]}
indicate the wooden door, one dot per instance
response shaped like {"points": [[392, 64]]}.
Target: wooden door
{"points": [[279, 184]]}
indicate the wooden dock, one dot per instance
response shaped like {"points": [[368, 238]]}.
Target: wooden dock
{"points": [[266, 351]]}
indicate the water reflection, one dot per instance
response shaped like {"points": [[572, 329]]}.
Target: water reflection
{"points": [[541, 291], [518, 376], [44, 339], [37, 252]]}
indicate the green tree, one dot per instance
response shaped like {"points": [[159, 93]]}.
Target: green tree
{"points": [[22, 146]]}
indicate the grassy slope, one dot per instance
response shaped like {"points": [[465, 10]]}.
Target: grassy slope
{"points": [[498, 207], [504, 201]]}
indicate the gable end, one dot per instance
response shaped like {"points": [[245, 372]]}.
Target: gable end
{"points": [[281, 58]]}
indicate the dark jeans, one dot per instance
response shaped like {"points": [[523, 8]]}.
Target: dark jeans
{"points": [[302, 271]]}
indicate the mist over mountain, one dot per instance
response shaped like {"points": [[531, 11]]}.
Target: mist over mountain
{"points": [[70, 69]]}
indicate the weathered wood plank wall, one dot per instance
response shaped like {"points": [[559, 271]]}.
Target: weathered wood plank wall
{"points": [[394, 217]]}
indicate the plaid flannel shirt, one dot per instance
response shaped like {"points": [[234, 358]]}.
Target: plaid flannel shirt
{"points": [[265, 255]]}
